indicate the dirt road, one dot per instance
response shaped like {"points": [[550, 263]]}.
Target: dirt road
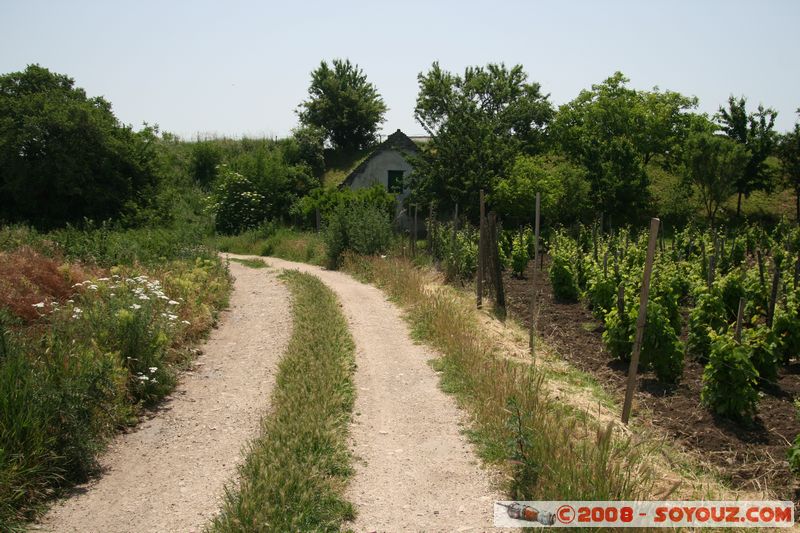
{"points": [[415, 470], [169, 473]]}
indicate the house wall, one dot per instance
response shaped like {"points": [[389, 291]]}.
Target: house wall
{"points": [[377, 171]]}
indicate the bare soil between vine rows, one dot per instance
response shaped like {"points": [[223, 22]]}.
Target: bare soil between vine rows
{"points": [[751, 457]]}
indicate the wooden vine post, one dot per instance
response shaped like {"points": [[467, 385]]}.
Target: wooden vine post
{"points": [[481, 253], [640, 322], [414, 234], [739, 317], [493, 258], [534, 293], [776, 277]]}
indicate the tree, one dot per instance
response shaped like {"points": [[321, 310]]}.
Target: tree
{"points": [[754, 131], [479, 123], [65, 157], [616, 132], [344, 105], [789, 153], [713, 165], [563, 188]]}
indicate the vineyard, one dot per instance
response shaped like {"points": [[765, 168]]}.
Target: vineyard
{"points": [[718, 359]]}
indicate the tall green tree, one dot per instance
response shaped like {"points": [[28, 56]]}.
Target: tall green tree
{"points": [[344, 105], [756, 132], [479, 123], [789, 153], [713, 165], [64, 156], [616, 132]]}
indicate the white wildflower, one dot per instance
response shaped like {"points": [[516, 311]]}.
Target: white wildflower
{"points": [[144, 297], [93, 287], [39, 305], [186, 322], [172, 302], [153, 369], [135, 306]]}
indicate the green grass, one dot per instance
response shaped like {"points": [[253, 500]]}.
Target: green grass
{"points": [[286, 243], [548, 450], [338, 165], [252, 263], [295, 473]]}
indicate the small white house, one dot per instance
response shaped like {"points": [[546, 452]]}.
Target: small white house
{"points": [[387, 165]]}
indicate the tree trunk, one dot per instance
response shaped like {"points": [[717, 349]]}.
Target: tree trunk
{"points": [[739, 206]]}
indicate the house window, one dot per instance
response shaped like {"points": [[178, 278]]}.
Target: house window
{"points": [[395, 182]]}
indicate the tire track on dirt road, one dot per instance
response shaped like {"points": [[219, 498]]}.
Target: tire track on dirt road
{"points": [[168, 473], [414, 469]]}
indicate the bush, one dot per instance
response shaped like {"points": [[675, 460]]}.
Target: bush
{"points": [[661, 350], [787, 329], [361, 227], [236, 203], [730, 379], [564, 268], [519, 255], [706, 317], [459, 255]]}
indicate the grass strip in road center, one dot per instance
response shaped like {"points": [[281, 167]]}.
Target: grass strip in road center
{"points": [[295, 472]]}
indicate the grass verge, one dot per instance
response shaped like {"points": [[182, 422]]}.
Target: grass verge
{"points": [[547, 451], [295, 473]]}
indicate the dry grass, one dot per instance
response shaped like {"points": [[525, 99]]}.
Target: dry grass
{"points": [[28, 278]]}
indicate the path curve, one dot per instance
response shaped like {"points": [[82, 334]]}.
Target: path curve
{"points": [[416, 471], [168, 474]]}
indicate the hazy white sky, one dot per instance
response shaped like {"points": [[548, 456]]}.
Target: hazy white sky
{"points": [[236, 67]]}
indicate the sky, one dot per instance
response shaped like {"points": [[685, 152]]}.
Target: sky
{"points": [[237, 68]]}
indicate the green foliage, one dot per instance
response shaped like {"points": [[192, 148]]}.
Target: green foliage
{"points": [[713, 165], [787, 329], [65, 157], [306, 146], [615, 132], [327, 200], [362, 227], [754, 132], [236, 203], [793, 453], [519, 254], [706, 317], [730, 379], [563, 270], [479, 123], [457, 252], [661, 349], [762, 343], [206, 157], [660, 346], [344, 105], [789, 154]]}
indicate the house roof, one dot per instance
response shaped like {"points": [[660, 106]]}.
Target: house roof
{"points": [[397, 141]]}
